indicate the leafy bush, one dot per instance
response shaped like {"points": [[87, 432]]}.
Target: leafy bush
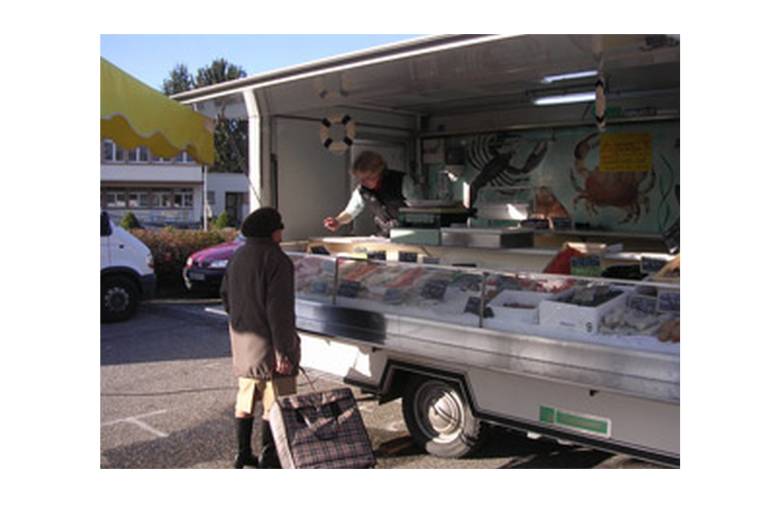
{"points": [[129, 221], [222, 221], [171, 247]]}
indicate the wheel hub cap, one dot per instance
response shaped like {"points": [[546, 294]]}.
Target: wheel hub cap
{"points": [[442, 412], [116, 299]]}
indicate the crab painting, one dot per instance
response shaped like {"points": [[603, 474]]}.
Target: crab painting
{"points": [[495, 163], [627, 191]]}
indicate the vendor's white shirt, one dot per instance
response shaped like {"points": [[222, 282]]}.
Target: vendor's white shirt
{"points": [[356, 203]]}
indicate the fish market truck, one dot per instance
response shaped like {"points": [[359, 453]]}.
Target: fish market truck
{"points": [[532, 279]]}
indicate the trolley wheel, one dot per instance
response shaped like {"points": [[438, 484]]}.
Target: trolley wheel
{"points": [[439, 418]]}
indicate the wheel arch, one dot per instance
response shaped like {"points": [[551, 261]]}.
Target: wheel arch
{"points": [[396, 375], [122, 272]]}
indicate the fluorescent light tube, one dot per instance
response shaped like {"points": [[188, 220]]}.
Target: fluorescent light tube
{"points": [[569, 76], [578, 97]]}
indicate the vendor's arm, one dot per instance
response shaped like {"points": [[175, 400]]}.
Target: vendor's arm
{"points": [[355, 206]]}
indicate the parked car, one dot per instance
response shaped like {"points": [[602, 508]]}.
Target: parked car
{"points": [[127, 274], [205, 269]]}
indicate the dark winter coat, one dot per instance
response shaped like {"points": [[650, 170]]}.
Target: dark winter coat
{"points": [[258, 295]]}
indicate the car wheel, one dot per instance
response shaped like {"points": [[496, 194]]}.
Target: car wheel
{"points": [[439, 418], [119, 298]]}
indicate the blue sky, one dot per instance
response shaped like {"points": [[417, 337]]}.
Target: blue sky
{"points": [[150, 58]]}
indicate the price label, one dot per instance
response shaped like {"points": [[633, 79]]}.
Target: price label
{"points": [[319, 249], [319, 288], [586, 266], [434, 289], [349, 289], [651, 265], [377, 255], [668, 302], [473, 307], [535, 223], [394, 296], [563, 223], [408, 257], [643, 303]]}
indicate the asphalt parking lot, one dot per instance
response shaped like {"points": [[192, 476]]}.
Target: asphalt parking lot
{"points": [[167, 396]]}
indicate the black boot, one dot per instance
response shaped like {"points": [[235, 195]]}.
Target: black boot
{"points": [[269, 457], [245, 457]]}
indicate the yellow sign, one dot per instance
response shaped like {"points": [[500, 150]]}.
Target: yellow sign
{"points": [[625, 152]]}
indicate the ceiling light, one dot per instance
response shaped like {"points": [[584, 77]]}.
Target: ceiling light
{"points": [[569, 76], [578, 97]]}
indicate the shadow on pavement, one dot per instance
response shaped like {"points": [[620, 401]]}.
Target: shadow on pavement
{"points": [[165, 332], [204, 445], [537, 453]]}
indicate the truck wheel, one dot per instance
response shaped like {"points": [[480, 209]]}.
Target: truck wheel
{"points": [[119, 298], [439, 418]]}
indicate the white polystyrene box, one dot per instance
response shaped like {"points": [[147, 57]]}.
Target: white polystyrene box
{"points": [[522, 297], [583, 319]]}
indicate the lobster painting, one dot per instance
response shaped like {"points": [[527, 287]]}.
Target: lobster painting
{"points": [[495, 165]]}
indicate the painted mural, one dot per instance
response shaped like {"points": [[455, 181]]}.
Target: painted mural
{"points": [[557, 173]]}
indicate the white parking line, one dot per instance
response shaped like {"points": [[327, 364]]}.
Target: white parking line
{"points": [[134, 420]]}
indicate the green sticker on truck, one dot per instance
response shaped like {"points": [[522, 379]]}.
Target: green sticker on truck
{"points": [[588, 423]]}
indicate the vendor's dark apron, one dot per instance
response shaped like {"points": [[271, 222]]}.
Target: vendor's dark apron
{"points": [[385, 202]]}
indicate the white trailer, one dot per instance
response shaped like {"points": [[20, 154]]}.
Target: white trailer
{"points": [[455, 377]]}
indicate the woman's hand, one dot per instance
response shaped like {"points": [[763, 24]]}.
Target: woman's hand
{"points": [[283, 366], [331, 224]]}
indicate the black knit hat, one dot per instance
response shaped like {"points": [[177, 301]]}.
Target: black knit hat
{"points": [[262, 223]]}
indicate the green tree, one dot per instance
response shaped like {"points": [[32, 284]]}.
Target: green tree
{"points": [[222, 221], [217, 72], [230, 137], [130, 221], [179, 81]]}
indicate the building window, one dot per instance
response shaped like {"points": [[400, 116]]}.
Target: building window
{"points": [[146, 198], [183, 158], [182, 198], [164, 199], [111, 152], [211, 197], [115, 199], [108, 150], [140, 154], [138, 199]]}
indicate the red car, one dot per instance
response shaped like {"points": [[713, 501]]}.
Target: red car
{"points": [[205, 268]]}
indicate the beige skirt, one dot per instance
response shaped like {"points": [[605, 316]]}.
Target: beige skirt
{"points": [[251, 390]]}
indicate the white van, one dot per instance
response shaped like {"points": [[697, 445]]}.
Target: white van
{"points": [[127, 274]]}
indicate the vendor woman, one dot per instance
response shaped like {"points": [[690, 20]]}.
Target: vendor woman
{"points": [[379, 188]]}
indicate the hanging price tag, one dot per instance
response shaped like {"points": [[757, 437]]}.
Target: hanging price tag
{"points": [[668, 302], [473, 307], [349, 289]]}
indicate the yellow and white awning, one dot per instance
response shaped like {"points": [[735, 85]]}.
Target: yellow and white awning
{"points": [[134, 114]]}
